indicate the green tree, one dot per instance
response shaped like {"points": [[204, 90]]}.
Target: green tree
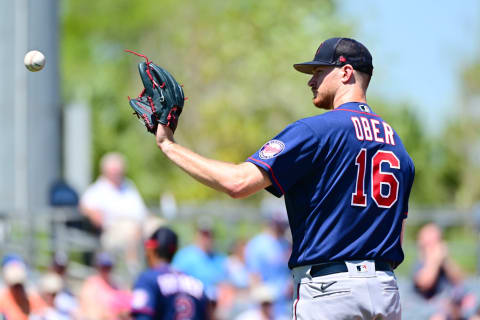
{"points": [[461, 143], [233, 57]]}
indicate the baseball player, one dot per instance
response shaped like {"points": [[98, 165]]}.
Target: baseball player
{"points": [[346, 178], [163, 293]]}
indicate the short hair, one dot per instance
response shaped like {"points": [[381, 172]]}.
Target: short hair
{"points": [[365, 78]]}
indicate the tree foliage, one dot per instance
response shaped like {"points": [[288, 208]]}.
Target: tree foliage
{"points": [[233, 57], [235, 60]]}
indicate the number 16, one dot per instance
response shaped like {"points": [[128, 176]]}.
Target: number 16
{"points": [[378, 178]]}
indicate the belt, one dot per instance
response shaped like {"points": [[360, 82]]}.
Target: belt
{"points": [[327, 268]]}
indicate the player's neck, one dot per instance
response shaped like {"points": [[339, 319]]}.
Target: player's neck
{"points": [[158, 262], [352, 94]]}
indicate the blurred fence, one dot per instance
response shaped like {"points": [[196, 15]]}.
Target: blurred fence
{"points": [[36, 235]]}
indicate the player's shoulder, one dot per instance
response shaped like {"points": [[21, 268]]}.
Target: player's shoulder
{"points": [[345, 111], [151, 275], [307, 124], [319, 124]]}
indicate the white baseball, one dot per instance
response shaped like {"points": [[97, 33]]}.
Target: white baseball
{"points": [[34, 60]]}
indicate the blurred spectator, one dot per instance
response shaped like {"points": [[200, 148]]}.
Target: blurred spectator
{"points": [[116, 209], [237, 272], [263, 297], [15, 301], [59, 266], [65, 302], [100, 298], [201, 261], [476, 316], [50, 286], [438, 279], [435, 272], [267, 257], [236, 294]]}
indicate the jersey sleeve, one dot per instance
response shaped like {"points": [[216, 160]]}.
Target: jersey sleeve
{"points": [[145, 298], [287, 157]]}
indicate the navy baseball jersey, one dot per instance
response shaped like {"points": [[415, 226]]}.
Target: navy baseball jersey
{"points": [[162, 293], [346, 178]]}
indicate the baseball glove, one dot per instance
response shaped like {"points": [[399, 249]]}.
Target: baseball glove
{"points": [[161, 100]]}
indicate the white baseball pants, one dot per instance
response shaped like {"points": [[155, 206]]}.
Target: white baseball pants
{"points": [[360, 293]]}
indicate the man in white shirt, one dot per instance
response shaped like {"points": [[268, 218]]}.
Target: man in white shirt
{"points": [[113, 205]]}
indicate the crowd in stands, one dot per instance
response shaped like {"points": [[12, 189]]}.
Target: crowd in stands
{"points": [[249, 282]]}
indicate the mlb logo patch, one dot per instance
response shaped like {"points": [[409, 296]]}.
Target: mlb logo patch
{"points": [[271, 149], [362, 268], [364, 108]]}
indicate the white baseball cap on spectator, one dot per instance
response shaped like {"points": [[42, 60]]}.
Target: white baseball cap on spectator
{"points": [[51, 283], [14, 272], [263, 294]]}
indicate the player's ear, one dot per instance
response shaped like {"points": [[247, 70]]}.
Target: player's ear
{"points": [[347, 73]]}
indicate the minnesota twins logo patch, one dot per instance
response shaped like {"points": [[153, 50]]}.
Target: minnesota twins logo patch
{"points": [[271, 149]]}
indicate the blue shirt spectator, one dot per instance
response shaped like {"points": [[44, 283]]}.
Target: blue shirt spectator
{"points": [[202, 262], [267, 257]]}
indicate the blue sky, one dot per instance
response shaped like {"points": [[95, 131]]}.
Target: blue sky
{"points": [[419, 49]]}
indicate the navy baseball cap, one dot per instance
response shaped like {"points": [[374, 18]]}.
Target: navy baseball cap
{"points": [[165, 242], [338, 52]]}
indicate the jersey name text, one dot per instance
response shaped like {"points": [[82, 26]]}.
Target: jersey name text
{"points": [[373, 129], [171, 284]]}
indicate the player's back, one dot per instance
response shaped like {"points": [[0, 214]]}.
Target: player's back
{"points": [[350, 203], [162, 293]]}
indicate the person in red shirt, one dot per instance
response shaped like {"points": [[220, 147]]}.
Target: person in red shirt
{"points": [[100, 298], [16, 302]]}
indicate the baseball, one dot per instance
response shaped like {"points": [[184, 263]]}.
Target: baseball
{"points": [[34, 60]]}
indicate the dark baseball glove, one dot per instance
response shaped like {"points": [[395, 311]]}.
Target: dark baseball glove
{"points": [[161, 100]]}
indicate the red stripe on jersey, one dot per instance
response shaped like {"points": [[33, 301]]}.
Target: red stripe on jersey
{"points": [[370, 114], [271, 170]]}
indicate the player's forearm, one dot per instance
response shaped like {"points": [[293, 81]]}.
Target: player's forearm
{"points": [[222, 176], [95, 216]]}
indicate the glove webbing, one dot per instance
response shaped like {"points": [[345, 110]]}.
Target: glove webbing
{"points": [[155, 84]]}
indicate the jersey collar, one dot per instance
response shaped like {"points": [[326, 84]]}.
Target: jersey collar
{"points": [[355, 106]]}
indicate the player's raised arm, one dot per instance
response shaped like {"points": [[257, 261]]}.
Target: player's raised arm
{"points": [[236, 180], [159, 106]]}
